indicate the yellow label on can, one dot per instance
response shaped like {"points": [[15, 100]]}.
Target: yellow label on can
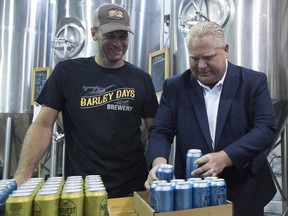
{"points": [[46, 205], [19, 205], [96, 203], [72, 204]]}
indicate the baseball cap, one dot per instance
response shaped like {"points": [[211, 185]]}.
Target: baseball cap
{"points": [[111, 17]]}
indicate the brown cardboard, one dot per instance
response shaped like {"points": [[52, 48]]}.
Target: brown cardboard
{"points": [[121, 207], [142, 208]]}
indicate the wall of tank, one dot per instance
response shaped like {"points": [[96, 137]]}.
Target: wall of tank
{"points": [[26, 31], [38, 33]]}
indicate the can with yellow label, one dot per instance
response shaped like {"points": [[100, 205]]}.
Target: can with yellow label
{"points": [[72, 202], [96, 201], [46, 203], [19, 204]]}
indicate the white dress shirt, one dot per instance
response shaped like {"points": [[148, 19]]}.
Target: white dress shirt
{"points": [[212, 98]]}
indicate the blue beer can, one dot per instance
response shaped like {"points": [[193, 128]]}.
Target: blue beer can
{"points": [[192, 155], [165, 172], [152, 191], [3, 197], [182, 195], [218, 192], [164, 197], [201, 194], [7, 186], [210, 178], [175, 181], [191, 180]]}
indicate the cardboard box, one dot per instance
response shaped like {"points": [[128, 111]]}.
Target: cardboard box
{"points": [[142, 208], [139, 206], [121, 207]]}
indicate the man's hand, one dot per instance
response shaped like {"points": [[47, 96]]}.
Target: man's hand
{"points": [[212, 164], [152, 174]]}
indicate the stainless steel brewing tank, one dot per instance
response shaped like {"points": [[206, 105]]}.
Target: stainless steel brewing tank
{"points": [[74, 21], [24, 38], [255, 30]]}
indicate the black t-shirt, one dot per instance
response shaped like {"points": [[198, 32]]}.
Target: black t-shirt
{"points": [[102, 110]]}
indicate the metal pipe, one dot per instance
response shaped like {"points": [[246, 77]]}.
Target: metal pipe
{"points": [[63, 158], [53, 152], [8, 145], [46, 35], [161, 39], [284, 161]]}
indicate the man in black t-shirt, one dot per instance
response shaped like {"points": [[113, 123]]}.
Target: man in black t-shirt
{"points": [[102, 99]]}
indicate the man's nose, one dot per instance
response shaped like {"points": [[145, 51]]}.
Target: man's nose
{"points": [[202, 63]]}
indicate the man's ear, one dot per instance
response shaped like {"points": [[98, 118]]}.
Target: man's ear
{"points": [[226, 48], [94, 33]]}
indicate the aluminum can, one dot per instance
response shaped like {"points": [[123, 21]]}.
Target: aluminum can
{"points": [[96, 202], [182, 196], [3, 198], [218, 192], [11, 186], [210, 178], [39, 180], [175, 181], [72, 203], [19, 204], [152, 191], [7, 186], [165, 172], [192, 180], [201, 194], [93, 177], [28, 188], [192, 155], [46, 203], [164, 197]]}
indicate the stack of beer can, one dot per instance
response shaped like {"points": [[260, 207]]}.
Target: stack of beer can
{"points": [[20, 202], [95, 196], [73, 197], [46, 201], [170, 194]]}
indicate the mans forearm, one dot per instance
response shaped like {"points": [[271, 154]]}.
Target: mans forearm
{"points": [[35, 144]]}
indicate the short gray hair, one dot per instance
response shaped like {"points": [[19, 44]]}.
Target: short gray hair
{"points": [[202, 29]]}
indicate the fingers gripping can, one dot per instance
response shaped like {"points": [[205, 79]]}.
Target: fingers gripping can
{"points": [[191, 157], [165, 172]]}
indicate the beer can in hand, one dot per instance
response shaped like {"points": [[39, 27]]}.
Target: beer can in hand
{"points": [[191, 157], [165, 172]]}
